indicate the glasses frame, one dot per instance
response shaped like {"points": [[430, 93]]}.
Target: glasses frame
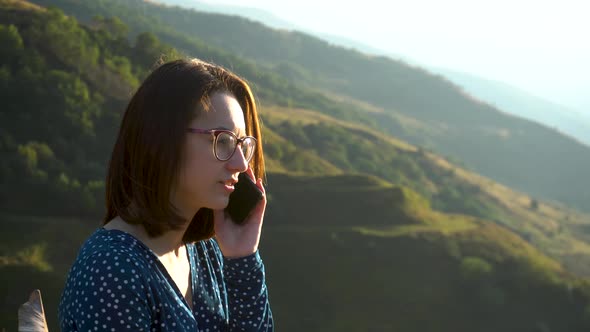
{"points": [[217, 132]]}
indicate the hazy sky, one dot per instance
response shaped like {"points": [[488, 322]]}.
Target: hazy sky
{"points": [[540, 46]]}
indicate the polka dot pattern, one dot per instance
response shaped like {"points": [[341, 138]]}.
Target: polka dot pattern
{"points": [[119, 284]]}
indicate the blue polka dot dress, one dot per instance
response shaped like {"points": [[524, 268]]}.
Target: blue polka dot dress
{"points": [[118, 284]]}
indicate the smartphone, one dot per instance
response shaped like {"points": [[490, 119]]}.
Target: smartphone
{"points": [[243, 199]]}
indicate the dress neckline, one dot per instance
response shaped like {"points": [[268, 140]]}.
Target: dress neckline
{"points": [[156, 261]]}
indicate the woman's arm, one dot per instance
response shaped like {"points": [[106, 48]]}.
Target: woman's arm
{"points": [[242, 268], [249, 308]]}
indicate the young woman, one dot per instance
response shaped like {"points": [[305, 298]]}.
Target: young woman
{"points": [[168, 257]]}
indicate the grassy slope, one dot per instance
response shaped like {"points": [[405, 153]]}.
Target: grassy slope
{"points": [[558, 230], [554, 228], [375, 256], [378, 253]]}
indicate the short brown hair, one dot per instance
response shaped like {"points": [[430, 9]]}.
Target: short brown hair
{"points": [[147, 155]]}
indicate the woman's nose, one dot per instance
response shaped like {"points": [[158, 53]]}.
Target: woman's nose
{"points": [[238, 162]]}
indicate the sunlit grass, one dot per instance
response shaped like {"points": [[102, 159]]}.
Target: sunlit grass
{"points": [[19, 4], [305, 117], [321, 166], [34, 256], [410, 230]]}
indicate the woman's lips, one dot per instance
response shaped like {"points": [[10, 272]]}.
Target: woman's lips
{"points": [[228, 186]]}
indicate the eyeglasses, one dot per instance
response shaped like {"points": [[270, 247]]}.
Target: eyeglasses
{"points": [[225, 143]]}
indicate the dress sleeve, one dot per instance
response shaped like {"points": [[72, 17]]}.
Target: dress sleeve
{"points": [[106, 293], [249, 308]]}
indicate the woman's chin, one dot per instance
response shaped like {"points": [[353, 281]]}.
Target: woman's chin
{"points": [[219, 204]]}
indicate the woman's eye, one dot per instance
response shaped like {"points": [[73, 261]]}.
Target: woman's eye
{"points": [[225, 140]]}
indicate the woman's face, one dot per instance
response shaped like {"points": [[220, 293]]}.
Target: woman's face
{"points": [[205, 181]]}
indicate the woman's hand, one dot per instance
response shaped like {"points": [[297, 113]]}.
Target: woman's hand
{"points": [[240, 240]]}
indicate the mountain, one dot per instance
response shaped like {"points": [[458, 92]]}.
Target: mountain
{"points": [[415, 105], [272, 21], [523, 104], [252, 13], [364, 231], [501, 95]]}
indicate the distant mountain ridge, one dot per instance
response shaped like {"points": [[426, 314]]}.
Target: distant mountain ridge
{"points": [[252, 13], [418, 106], [271, 20], [523, 104], [507, 98]]}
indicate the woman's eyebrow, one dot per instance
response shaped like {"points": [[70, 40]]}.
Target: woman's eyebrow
{"points": [[235, 130], [224, 128]]}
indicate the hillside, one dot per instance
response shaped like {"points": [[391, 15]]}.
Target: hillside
{"points": [[518, 153], [309, 143], [363, 229], [403, 267], [557, 230]]}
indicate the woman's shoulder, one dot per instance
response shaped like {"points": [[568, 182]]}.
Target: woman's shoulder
{"points": [[115, 247], [111, 272]]}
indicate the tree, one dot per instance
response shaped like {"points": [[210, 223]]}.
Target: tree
{"points": [[12, 44], [534, 204], [115, 28], [475, 268], [147, 49]]}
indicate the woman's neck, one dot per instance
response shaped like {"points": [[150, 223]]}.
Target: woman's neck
{"points": [[163, 245]]}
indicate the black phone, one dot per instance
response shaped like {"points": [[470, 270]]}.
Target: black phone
{"points": [[243, 199]]}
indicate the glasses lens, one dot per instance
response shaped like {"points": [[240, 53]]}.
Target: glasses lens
{"points": [[248, 147], [225, 146]]}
